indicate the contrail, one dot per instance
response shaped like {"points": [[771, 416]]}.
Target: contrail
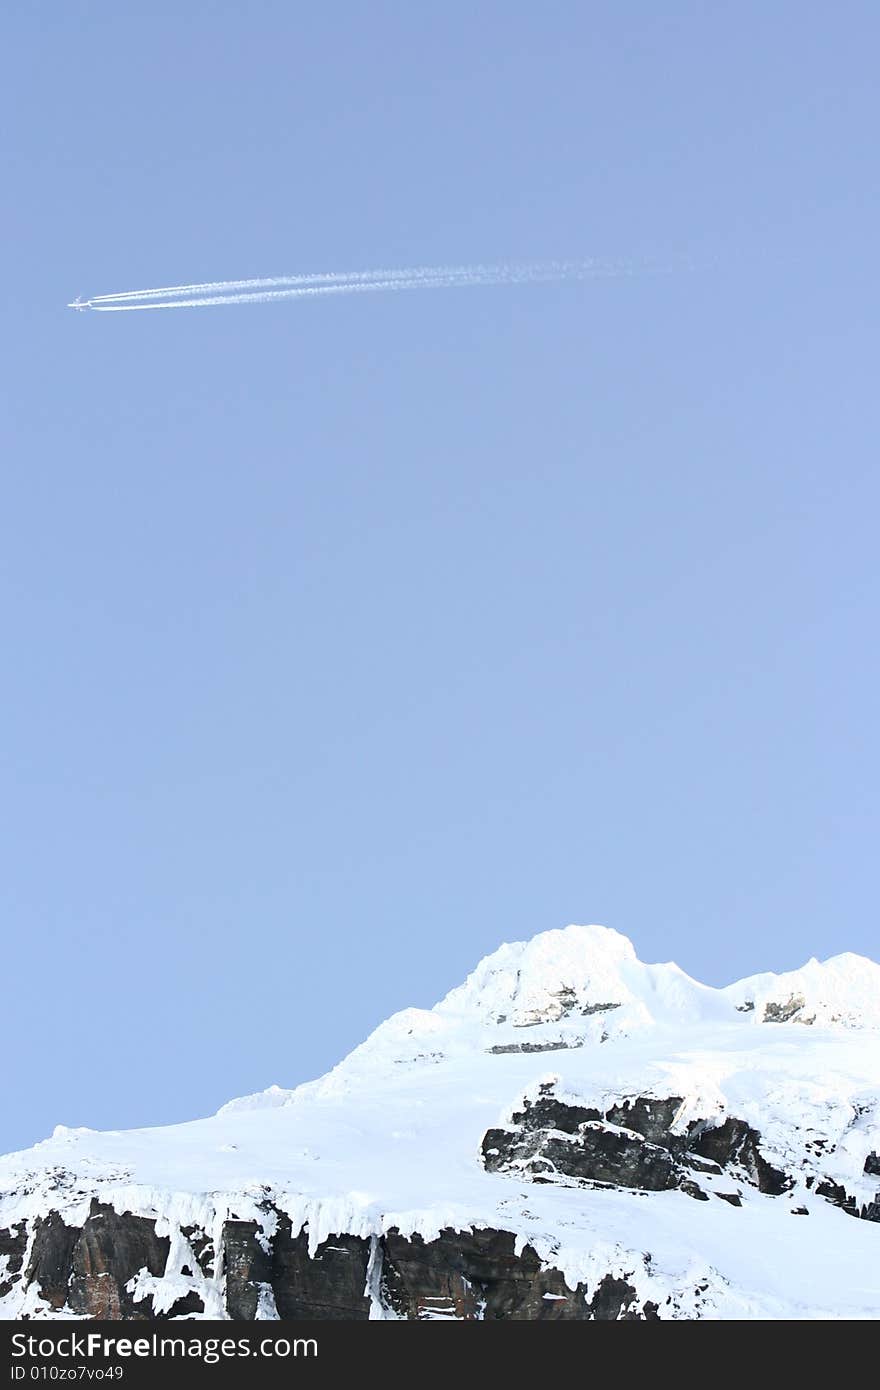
{"points": [[266, 296], [266, 289], [273, 281]]}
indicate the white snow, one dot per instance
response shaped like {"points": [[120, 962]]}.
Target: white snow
{"points": [[844, 990], [391, 1136]]}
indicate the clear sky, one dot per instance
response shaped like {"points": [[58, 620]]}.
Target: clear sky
{"points": [[345, 640]]}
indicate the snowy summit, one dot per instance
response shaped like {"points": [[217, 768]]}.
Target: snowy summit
{"points": [[570, 1133]]}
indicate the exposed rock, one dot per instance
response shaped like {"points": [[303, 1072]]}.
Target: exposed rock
{"points": [[786, 1011], [598, 1153], [837, 1195], [547, 1111], [190, 1303], [615, 1300], [13, 1244], [472, 1275], [88, 1269], [468, 1275], [561, 1003], [703, 1165], [634, 1144], [202, 1247], [443, 1278], [500, 1048], [693, 1189], [330, 1284], [248, 1268], [110, 1251], [872, 1165], [735, 1145], [652, 1118], [50, 1265]]}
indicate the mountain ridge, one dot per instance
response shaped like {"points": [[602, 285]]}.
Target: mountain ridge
{"points": [[596, 1118]]}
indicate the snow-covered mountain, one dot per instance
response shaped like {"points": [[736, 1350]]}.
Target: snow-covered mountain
{"points": [[570, 1133]]}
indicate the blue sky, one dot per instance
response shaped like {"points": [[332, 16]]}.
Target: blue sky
{"points": [[345, 640]]}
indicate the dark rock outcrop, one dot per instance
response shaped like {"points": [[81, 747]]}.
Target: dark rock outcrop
{"points": [[735, 1146], [87, 1269], [651, 1118], [837, 1195], [467, 1275], [50, 1265], [330, 1284], [471, 1275], [110, 1251], [202, 1247], [248, 1268], [13, 1244], [477, 1275], [597, 1153], [632, 1144]]}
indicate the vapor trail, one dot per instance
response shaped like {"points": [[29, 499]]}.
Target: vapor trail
{"points": [[266, 296], [273, 281], [266, 289]]}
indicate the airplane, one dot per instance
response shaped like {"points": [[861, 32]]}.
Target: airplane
{"points": [[80, 303]]}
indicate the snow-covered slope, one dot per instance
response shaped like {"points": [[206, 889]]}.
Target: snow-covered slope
{"points": [[843, 990], [699, 1148]]}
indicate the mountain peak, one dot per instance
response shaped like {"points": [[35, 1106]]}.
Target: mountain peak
{"points": [[540, 980], [577, 974], [605, 1116]]}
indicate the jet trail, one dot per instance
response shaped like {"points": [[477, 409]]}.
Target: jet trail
{"points": [[273, 281], [264, 290], [266, 296]]}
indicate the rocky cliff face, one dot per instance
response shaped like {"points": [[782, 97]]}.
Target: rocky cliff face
{"points": [[98, 1271], [443, 1172]]}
